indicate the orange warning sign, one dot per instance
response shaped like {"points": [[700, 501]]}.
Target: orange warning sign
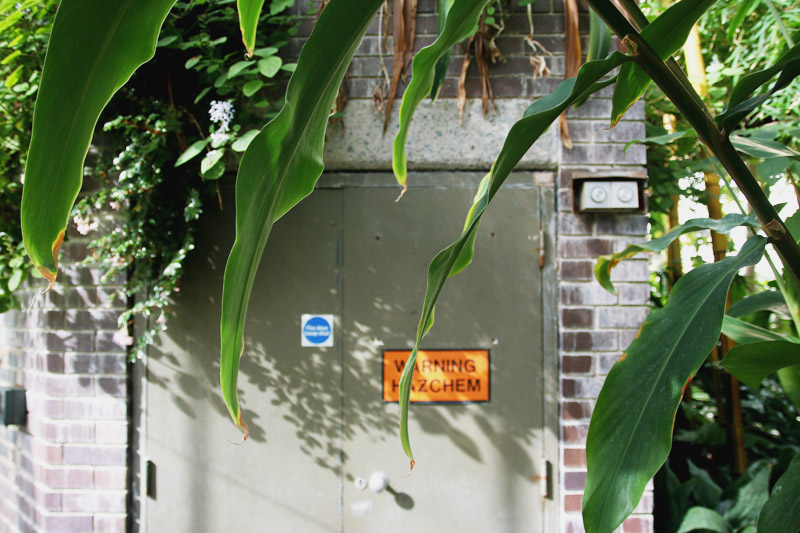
{"points": [[439, 375]]}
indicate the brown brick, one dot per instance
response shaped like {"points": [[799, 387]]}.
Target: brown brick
{"points": [[574, 457], [572, 410], [637, 524], [585, 247], [577, 318], [574, 480], [587, 341], [576, 364], [572, 503], [575, 434], [576, 270]]}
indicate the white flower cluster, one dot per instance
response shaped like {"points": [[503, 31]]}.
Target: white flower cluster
{"points": [[85, 225], [220, 113]]}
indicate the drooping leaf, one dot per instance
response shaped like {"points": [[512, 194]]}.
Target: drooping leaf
{"points": [[749, 500], [461, 21], [281, 166], [781, 513], [643, 390], [740, 103], [753, 362], [742, 332], [249, 11], [762, 301], [440, 71], [703, 519], [602, 269], [665, 35], [95, 46], [537, 119]]}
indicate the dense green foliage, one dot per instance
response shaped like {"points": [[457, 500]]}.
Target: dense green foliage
{"points": [[281, 164]]}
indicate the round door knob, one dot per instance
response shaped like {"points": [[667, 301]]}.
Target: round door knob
{"points": [[378, 482], [360, 483]]}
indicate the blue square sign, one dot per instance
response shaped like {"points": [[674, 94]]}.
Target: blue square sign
{"points": [[316, 330]]}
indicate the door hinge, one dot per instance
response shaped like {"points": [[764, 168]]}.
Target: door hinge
{"points": [[150, 479]]}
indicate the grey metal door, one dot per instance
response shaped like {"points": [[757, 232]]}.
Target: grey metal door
{"points": [[317, 415]]}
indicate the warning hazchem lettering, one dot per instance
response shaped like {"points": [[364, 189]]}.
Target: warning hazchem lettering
{"points": [[440, 376]]}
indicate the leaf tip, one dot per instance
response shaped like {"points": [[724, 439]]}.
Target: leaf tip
{"points": [[402, 192], [240, 423]]}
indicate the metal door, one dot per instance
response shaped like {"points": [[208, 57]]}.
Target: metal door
{"points": [[317, 416]]}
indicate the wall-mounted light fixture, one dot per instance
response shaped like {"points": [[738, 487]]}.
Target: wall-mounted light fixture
{"points": [[13, 410], [608, 192]]}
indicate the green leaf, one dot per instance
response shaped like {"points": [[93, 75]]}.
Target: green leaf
{"points": [[16, 278], [440, 70], [269, 66], [249, 11], [281, 166], [700, 518], [453, 259], [643, 390], [192, 61], [781, 513], [602, 270], [762, 301], [266, 52], [461, 21], [278, 6], [706, 491], [789, 378], [211, 159], [599, 38], [239, 67], [753, 362], [745, 10], [665, 35], [742, 332], [750, 499], [193, 151], [94, 48], [251, 87], [763, 148], [740, 104], [241, 144]]}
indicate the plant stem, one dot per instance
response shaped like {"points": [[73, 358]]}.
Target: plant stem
{"points": [[700, 119]]}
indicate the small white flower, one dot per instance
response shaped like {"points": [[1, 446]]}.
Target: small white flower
{"points": [[114, 205], [221, 113]]}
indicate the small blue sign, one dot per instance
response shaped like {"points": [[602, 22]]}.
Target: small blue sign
{"points": [[316, 330]]}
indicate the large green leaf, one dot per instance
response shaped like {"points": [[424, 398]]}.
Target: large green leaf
{"points": [[753, 362], [781, 513], [461, 21], [453, 259], [95, 47], [249, 11], [789, 378], [602, 269], [643, 390], [281, 166], [665, 35], [740, 103]]}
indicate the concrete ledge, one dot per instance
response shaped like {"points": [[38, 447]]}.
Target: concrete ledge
{"points": [[436, 141]]}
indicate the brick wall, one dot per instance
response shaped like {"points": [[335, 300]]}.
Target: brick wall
{"points": [[66, 470]]}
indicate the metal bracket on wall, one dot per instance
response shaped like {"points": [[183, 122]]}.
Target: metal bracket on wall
{"points": [[12, 406]]}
